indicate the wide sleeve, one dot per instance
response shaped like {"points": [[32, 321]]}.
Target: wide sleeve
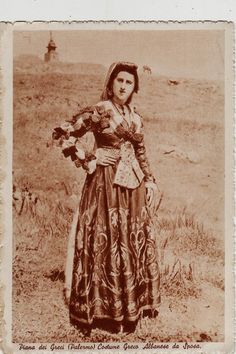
{"points": [[141, 155], [68, 136]]}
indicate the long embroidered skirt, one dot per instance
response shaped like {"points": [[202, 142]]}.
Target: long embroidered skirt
{"points": [[115, 269]]}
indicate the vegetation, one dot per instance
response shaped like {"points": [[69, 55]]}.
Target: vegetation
{"points": [[189, 224]]}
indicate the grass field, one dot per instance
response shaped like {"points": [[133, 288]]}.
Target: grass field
{"points": [[184, 131]]}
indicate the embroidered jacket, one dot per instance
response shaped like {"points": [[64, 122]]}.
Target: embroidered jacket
{"points": [[112, 133]]}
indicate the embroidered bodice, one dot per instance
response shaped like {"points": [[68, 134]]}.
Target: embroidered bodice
{"points": [[111, 131]]}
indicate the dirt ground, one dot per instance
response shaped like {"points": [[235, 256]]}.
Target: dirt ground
{"points": [[184, 131]]}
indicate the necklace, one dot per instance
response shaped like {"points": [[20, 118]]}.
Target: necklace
{"points": [[121, 110]]}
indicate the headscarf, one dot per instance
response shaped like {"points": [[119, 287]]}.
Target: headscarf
{"points": [[113, 71]]}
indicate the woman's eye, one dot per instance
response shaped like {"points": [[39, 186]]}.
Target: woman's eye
{"points": [[129, 82]]}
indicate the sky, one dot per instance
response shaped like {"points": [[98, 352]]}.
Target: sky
{"points": [[178, 53]]}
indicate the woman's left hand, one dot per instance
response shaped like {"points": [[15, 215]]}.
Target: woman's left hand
{"points": [[151, 192]]}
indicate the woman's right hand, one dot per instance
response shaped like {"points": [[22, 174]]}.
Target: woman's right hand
{"points": [[104, 158]]}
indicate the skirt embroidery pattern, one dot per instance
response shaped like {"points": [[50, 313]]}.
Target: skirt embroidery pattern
{"points": [[115, 271]]}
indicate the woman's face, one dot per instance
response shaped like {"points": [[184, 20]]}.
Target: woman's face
{"points": [[123, 87]]}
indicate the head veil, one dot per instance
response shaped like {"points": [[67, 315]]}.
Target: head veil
{"points": [[114, 69]]}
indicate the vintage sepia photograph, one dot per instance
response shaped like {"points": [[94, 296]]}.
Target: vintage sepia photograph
{"points": [[119, 194]]}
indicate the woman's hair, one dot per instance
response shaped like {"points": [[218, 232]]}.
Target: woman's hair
{"points": [[127, 67]]}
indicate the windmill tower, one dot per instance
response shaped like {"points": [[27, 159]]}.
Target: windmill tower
{"points": [[51, 55]]}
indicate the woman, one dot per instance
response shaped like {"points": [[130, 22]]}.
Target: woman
{"points": [[115, 271]]}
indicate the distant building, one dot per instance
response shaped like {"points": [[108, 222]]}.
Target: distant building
{"points": [[51, 55]]}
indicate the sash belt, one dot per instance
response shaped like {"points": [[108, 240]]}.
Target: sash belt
{"points": [[128, 173]]}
